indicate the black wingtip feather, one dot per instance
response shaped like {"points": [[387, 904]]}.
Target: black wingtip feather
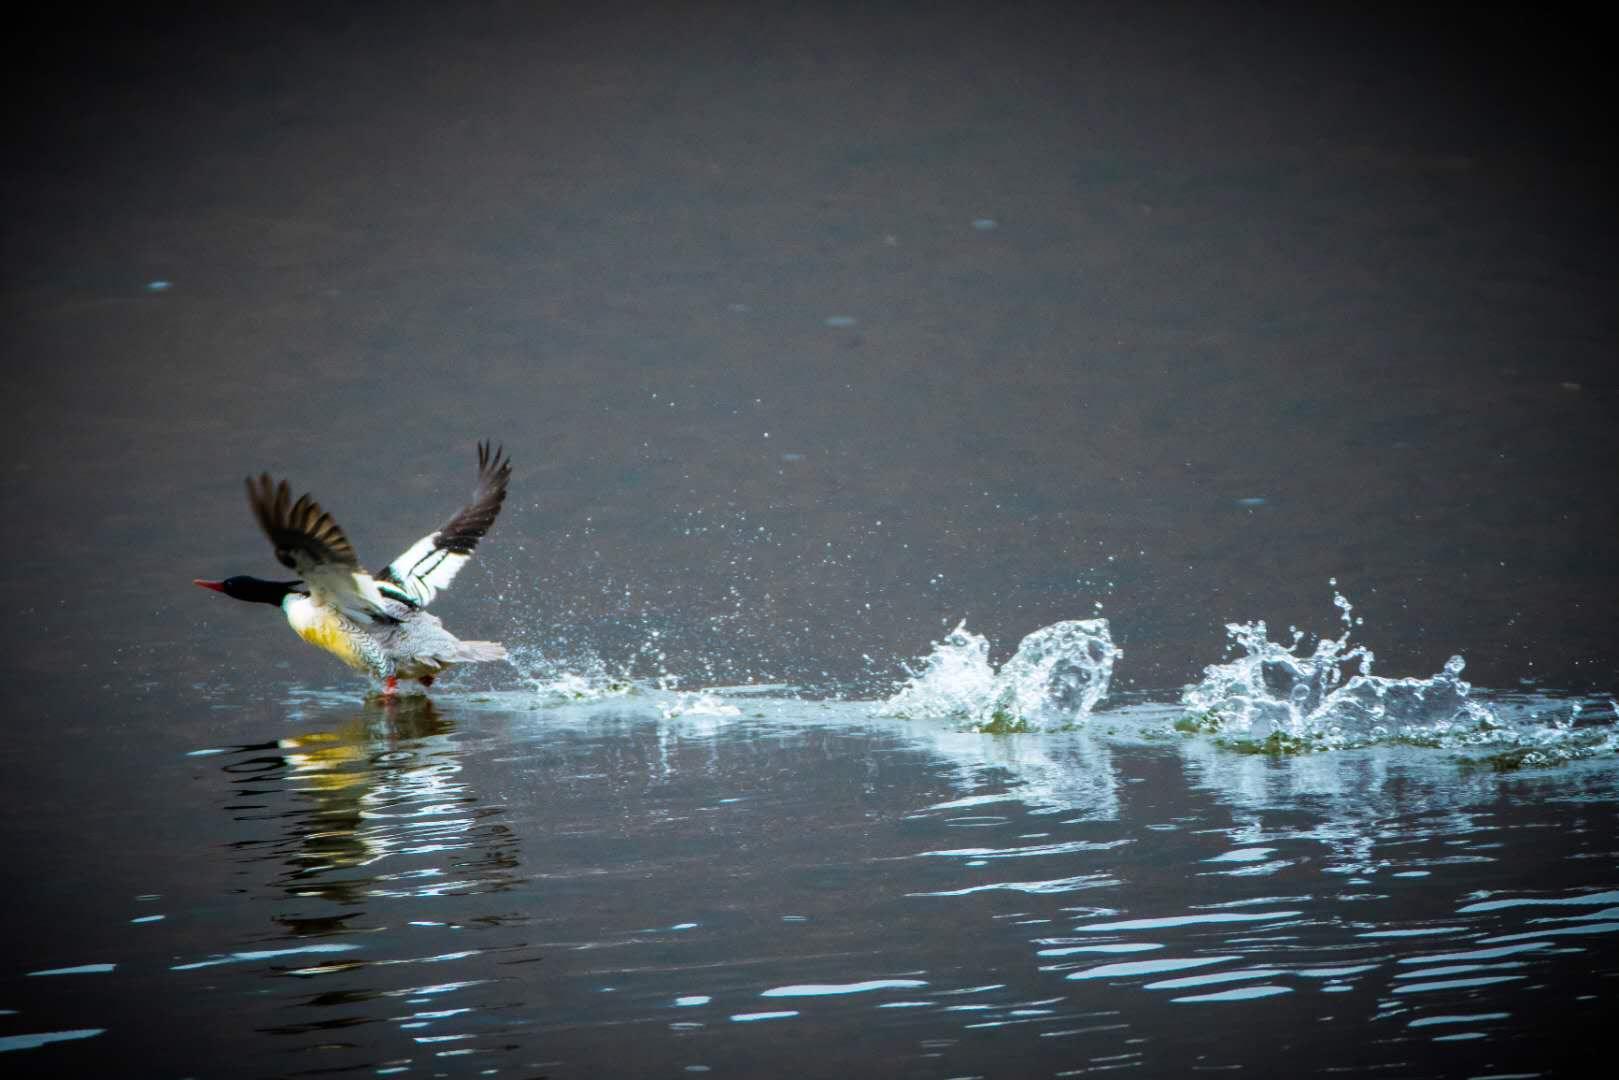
{"points": [[463, 531]]}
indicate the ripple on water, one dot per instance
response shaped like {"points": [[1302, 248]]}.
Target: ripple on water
{"points": [[832, 989], [1587, 900], [1415, 931], [264, 954], [1054, 885], [1110, 947], [1476, 954], [1130, 968], [43, 1038], [1068, 847], [1455, 969], [1243, 855], [1561, 931], [1456, 984], [1245, 993], [1335, 972], [1167, 921], [1190, 981], [1474, 1018]]}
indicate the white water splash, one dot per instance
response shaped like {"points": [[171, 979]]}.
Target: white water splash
{"points": [[697, 703], [953, 681], [1055, 679], [556, 682], [1277, 697], [1276, 690]]}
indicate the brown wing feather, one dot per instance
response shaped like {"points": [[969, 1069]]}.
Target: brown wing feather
{"points": [[298, 528]]}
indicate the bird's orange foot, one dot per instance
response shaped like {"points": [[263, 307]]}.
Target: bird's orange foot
{"points": [[391, 686]]}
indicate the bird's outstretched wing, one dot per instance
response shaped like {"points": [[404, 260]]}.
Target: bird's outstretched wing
{"points": [[432, 562], [308, 541]]}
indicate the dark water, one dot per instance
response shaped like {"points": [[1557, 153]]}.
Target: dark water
{"points": [[812, 330], [761, 887]]}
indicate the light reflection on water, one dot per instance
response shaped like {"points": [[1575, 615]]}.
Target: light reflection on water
{"points": [[542, 890], [348, 835]]}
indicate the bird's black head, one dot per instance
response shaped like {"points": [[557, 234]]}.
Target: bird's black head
{"points": [[252, 589]]}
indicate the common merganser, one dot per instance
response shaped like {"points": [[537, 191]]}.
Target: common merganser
{"points": [[372, 622]]}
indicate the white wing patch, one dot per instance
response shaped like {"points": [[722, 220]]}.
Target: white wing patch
{"points": [[355, 594], [432, 562], [423, 570]]}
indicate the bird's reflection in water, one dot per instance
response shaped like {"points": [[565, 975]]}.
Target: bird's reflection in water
{"points": [[371, 928], [372, 805]]}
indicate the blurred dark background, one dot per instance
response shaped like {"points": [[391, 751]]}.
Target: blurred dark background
{"points": [[815, 328]]}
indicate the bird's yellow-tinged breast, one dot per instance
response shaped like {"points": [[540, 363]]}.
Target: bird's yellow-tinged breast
{"points": [[325, 629]]}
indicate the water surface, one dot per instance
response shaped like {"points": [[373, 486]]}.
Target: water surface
{"points": [[746, 883]]}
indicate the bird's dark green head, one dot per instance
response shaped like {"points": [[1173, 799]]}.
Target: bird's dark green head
{"points": [[253, 590]]}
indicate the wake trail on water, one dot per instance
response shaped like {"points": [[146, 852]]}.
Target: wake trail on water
{"points": [[1274, 697]]}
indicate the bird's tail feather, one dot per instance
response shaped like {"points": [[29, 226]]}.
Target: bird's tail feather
{"points": [[473, 652]]}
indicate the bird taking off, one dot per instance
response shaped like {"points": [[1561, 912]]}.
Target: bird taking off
{"points": [[372, 622]]}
